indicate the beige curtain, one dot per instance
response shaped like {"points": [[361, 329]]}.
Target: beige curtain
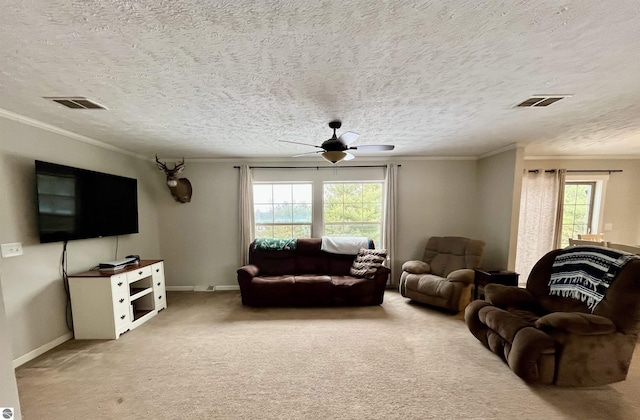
{"points": [[246, 212], [540, 221], [390, 214]]}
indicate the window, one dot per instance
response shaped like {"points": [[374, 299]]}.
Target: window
{"points": [[308, 202], [583, 205], [577, 210], [353, 209], [282, 210]]}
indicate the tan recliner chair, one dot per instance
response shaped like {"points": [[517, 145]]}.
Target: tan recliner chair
{"points": [[444, 276]]}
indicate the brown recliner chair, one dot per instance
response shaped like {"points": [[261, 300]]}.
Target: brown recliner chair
{"points": [[444, 276], [553, 339]]}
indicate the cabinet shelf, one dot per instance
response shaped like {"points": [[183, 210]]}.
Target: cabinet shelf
{"points": [[139, 314], [138, 292]]}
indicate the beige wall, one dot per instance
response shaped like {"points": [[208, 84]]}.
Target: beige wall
{"points": [[199, 240], [499, 185], [31, 283], [435, 198], [8, 387], [622, 201]]}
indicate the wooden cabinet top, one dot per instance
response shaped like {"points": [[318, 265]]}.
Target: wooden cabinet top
{"points": [[109, 273]]}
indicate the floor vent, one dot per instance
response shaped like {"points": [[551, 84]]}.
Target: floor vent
{"points": [[76, 102], [538, 101]]}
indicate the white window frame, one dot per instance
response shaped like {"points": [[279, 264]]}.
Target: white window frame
{"points": [[380, 223], [317, 177], [310, 223], [597, 218]]}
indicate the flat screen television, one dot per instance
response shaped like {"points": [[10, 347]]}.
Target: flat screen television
{"points": [[76, 203]]}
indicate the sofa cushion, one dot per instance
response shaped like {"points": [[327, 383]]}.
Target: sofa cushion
{"points": [[339, 264], [272, 263], [367, 262], [313, 289], [274, 288], [449, 253], [577, 323], [309, 259], [504, 323], [353, 286], [429, 284]]}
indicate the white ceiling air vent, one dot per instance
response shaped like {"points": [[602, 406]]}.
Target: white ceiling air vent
{"points": [[76, 102], [538, 101]]}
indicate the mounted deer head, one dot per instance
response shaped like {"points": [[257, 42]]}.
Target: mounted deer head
{"points": [[180, 187]]}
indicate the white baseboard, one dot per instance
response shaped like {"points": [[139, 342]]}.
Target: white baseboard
{"points": [[201, 288], [41, 350], [228, 287], [179, 288]]}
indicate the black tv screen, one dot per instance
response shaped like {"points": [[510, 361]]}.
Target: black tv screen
{"points": [[76, 203]]}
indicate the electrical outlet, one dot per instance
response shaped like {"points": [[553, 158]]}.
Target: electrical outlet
{"points": [[11, 250]]}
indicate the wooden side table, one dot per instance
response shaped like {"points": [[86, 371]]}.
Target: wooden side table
{"points": [[484, 276]]}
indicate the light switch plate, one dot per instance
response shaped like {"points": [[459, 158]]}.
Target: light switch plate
{"points": [[608, 227], [11, 250]]}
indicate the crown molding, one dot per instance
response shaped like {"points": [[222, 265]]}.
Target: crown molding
{"points": [[234, 160], [586, 157], [66, 133], [316, 160], [501, 150]]}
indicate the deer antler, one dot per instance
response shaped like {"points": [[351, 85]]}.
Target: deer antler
{"points": [[179, 166], [162, 166]]}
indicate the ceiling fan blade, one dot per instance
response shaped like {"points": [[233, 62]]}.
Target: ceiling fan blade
{"points": [[297, 142], [308, 153], [349, 156], [348, 137], [373, 147]]}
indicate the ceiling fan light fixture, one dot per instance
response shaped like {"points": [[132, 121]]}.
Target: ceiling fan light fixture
{"points": [[334, 156]]}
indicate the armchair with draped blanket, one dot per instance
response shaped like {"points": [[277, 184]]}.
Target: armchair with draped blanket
{"points": [[575, 324]]}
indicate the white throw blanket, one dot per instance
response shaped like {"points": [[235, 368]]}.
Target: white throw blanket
{"points": [[349, 245]]}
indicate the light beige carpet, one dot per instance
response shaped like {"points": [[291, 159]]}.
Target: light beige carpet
{"points": [[208, 357]]}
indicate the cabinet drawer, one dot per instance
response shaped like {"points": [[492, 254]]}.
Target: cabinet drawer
{"points": [[160, 300], [120, 308], [119, 285], [121, 314], [138, 273]]}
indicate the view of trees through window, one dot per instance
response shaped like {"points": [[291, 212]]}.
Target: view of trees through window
{"points": [[285, 210], [282, 210], [353, 209], [577, 210]]}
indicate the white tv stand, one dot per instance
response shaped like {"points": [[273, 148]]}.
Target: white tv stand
{"points": [[105, 304]]}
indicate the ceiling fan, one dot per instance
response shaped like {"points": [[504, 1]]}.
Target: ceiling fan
{"points": [[335, 149]]}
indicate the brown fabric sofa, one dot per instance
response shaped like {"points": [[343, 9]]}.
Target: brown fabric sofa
{"points": [[444, 276], [307, 276], [558, 340]]}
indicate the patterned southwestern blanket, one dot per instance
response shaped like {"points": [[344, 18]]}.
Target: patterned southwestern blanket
{"points": [[276, 244], [586, 272]]}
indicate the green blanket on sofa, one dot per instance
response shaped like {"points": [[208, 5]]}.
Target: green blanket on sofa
{"points": [[276, 244]]}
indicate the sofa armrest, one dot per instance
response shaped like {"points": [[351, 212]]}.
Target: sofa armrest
{"points": [[509, 296], [416, 267], [464, 275], [576, 323], [382, 274], [247, 272]]}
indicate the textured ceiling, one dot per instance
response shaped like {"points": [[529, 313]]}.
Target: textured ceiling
{"points": [[208, 79]]}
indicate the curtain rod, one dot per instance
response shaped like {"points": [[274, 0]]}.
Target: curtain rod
{"points": [[550, 171], [315, 167]]}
